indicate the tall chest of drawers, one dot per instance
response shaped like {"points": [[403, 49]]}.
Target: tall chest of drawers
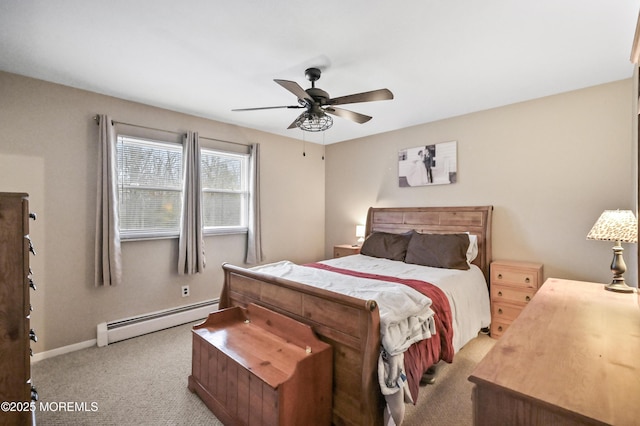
{"points": [[16, 388], [513, 285]]}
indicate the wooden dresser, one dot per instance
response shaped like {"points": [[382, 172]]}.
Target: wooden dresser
{"points": [[513, 285], [254, 366], [571, 357], [15, 310]]}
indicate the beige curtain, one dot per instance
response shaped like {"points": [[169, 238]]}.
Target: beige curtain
{"points": [[108, 256], [254, 237], [191, 246]]}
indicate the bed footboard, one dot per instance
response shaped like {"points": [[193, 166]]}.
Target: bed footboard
{"points": [[350, 325]]}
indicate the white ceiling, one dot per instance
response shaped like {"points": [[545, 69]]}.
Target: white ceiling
{"points": [[440, 58]]}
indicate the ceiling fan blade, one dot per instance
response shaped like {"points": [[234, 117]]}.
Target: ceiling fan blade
{"points": [[293, 124], [374, 95], [272, 107], [295, 88], [349, 115]]}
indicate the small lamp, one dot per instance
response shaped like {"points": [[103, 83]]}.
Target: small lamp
{"points": [[360, 234], [620, 226]]}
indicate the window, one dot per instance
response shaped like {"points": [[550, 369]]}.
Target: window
{"points": [[150, 189], [225, 191]]}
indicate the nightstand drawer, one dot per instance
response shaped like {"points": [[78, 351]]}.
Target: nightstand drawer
{"points": [[498, 328], [516, 277], [504, 311], [500, 293]]}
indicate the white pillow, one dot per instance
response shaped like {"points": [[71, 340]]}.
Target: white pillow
{"points": [[472, 251]]}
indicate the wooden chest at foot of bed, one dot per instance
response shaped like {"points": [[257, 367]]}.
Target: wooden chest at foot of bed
{"points": [[254, 366]]}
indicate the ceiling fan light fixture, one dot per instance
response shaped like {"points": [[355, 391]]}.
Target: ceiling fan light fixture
{"points": [[318, 103], [310, 122]]}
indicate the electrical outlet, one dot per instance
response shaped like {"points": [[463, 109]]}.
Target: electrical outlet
{"points": [[185, 290]]}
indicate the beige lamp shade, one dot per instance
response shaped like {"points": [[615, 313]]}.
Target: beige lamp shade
{"points": [[615, 225]]}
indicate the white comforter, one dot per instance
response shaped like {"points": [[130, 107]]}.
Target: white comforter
{"points": [[466, 290]]}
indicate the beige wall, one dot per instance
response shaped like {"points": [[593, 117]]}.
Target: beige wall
{"points": [[549, 167], [48, 148]]}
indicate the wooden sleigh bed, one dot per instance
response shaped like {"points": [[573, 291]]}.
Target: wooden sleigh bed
{"points": [[351, 325]]}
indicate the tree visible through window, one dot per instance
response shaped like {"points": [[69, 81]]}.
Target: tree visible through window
{"points": [[150, 188], [224, 189]]}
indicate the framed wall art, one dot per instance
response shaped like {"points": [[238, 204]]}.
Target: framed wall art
{"points": [[434, 164]]}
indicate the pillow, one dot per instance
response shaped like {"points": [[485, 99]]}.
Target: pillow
{"points": [[472, 251], [438, 250], [386, 245]]}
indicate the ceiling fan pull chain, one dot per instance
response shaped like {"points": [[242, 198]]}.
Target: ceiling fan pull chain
{"points": [[304, 146]]}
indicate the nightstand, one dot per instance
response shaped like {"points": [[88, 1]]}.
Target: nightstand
{"points": [[513, 285], [345, 250]]}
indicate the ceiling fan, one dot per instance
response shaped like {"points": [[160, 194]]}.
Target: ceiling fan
{"points": [[317, 104]]}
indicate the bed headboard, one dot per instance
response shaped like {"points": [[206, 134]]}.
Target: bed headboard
{"points": [[473, 219]]}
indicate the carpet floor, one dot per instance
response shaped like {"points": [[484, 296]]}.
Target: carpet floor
{"points": [[143, 381]]}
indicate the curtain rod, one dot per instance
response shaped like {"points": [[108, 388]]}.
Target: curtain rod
{"points": [[113, 122]]}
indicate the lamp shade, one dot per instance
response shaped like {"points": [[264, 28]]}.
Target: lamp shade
{"points": [[615, 225], [359, 231]]}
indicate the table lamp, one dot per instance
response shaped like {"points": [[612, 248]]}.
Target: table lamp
{"points": [[360, 234], [620, 226]]}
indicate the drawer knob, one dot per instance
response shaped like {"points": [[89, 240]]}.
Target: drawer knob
{"points": [[500, 310], [499, 293], [499, 328], [499, 276], [527, 298], [527, 280]]}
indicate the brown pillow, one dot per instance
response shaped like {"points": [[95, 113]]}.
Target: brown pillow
{"points": [[386, 245], [438, 250]]}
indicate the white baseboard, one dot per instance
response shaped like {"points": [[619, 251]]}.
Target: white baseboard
{"points": [[39, 356], [127, 328], [139, 326]]}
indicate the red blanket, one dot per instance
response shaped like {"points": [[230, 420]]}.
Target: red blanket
{"points": [[421, 355]]}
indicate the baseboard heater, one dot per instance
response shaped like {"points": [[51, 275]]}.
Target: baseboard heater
{"points": [[115, 331]]}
